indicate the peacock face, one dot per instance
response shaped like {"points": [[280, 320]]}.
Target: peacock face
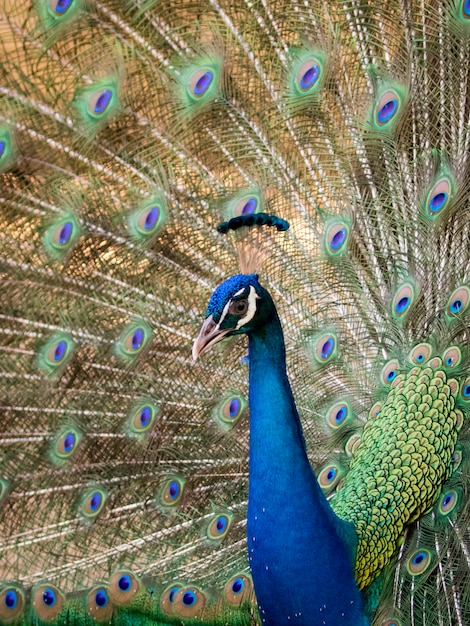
{"points": [[237, 306]]}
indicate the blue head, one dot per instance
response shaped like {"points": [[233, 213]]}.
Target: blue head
{"points": [[239, 305]]}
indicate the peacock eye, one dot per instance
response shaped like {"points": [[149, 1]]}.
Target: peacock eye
{"points": [[238, 307]]}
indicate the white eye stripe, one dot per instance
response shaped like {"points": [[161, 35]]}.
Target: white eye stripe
{"points": [[252, 297], [224, 313]]}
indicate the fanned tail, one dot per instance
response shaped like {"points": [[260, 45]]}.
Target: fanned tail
{"points": [[128, 131]]}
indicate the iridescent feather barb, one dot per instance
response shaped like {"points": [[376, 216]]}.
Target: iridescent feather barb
{"points": [[128, 131]]}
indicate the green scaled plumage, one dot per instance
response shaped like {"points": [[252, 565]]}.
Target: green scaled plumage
{"points": [[128, 131]]}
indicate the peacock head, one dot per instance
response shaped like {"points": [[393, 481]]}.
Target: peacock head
{"points": [[239, 305]]}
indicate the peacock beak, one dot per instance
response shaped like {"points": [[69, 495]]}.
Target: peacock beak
{"points": [[209, 335]]}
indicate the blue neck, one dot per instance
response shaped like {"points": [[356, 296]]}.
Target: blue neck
{"points": [[301, 554]]}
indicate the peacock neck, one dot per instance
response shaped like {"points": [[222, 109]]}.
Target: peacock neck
{"points": [[277, 442], [292, 531]]}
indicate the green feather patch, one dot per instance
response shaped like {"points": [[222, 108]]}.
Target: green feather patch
{"points": [[245, 202], [142, 418], [199, 83], [97, 104], [134, 339], [229, 410], [56, 15], [387, 108], [55, 353], [148, 219], [65, 445], [306, 73], [61, 234], [438, 198]]}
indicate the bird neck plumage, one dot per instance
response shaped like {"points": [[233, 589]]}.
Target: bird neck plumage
{"points": [[277, 445], [292, 532], [275, 419]]}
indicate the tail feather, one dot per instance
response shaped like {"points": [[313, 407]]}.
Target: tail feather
{"points": [[127, 132]]}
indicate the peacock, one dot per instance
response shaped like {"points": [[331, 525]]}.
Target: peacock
{"points": [[234, 312]]}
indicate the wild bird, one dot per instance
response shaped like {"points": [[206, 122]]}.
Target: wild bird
{"points": [[128, 132]]}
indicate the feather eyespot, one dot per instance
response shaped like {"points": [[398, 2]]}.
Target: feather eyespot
{"points": [[246, 206], [458, 302], [391, 622], [327, 348], [11, 604], [123, 586], [308, 75], [338, 414], [229, 410], [60, 7], [238, 589], [324, 348], [330, 476], [168, 598], [389, 372], [336, 237], [418, 562], [244, 203], [452, 357], [403, 300], [148, 219], [100, 101], [66, 444], [171, 492], [93, 503], [387, 107], [421, 353], [200, 82], [219, 527], [55, 353], [305, 75], [142, 418], [101, 598], [438, 197], [99, 605], [448, 502], [3, 147], [466, 9], [133, 340], [189, 602], [62, 234], [465, 390], [47, 602], [233, 408]]}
